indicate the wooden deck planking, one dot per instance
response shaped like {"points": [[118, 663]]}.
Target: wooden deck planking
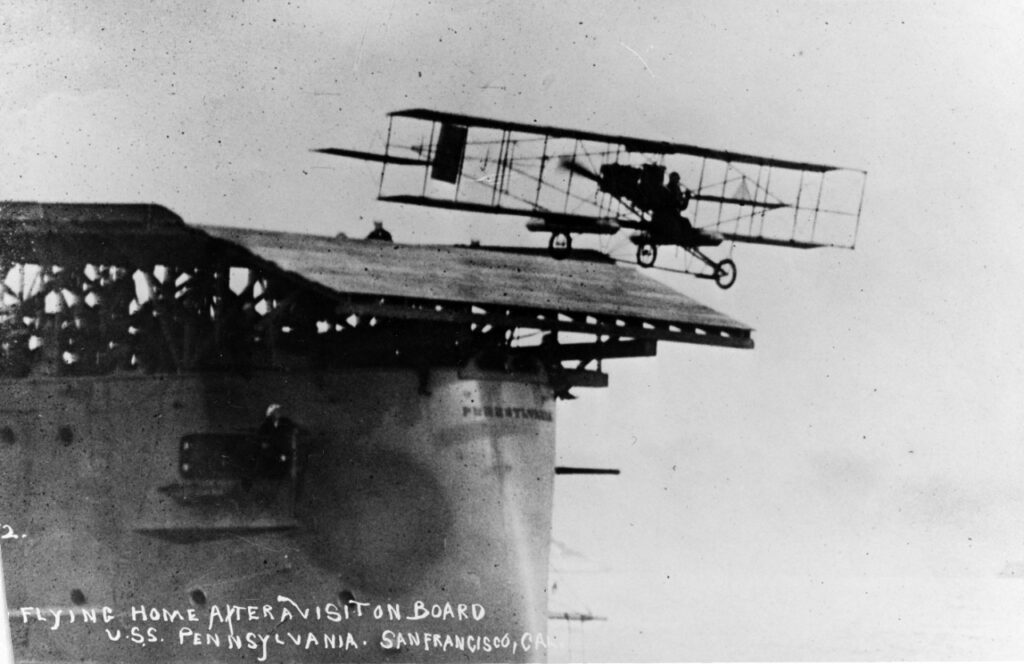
{"points": [[477, 276]]}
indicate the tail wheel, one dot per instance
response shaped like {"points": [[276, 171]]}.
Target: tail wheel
{"points": [[646, 254], [560, 245], [725, 274]]}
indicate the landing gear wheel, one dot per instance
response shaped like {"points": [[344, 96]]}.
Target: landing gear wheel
{"points": [[725, 274], [560, 245], [646, 254]]}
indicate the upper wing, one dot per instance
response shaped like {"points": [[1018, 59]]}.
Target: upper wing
{"points": [[628, 143]]}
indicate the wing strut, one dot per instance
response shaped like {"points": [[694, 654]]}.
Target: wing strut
{"points": [[387, 148], [430, 156], [540, 176]]}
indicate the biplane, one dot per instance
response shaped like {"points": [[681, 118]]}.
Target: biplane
{"points": [[570, 182]]}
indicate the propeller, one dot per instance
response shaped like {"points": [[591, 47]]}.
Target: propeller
{"points": [[575, 167]]}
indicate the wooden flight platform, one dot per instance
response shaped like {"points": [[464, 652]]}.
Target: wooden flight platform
{"points": [[97, 288]]}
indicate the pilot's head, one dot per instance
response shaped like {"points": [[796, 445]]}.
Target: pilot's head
{"points": [[378, 225], [673, 177]]}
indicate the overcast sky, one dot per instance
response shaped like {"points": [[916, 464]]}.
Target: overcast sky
{"points": [[853, 487]]}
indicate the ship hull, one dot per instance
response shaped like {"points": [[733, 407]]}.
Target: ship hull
{"points": [[409, 522]]}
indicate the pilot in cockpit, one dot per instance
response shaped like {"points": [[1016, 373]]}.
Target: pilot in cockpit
{"points": [[679, 196], [667, 216]]}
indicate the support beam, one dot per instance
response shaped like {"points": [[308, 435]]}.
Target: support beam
{"points": [[586, 351], [707, 335]]}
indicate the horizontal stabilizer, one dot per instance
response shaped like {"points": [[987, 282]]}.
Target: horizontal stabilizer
{"points": [[372, 156]]}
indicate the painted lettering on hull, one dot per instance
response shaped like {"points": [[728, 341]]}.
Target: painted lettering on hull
{"points": [[507, 413]]}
